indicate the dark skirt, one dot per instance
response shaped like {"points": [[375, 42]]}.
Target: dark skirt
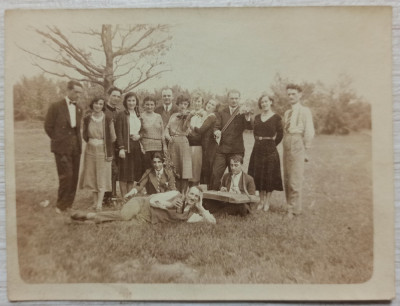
{"points": [[132, 166], [264, 166], [209, 150]]}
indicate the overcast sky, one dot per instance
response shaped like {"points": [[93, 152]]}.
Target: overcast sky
{"points": [[244, 49]]}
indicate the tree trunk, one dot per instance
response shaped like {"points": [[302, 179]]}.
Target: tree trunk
{"points": [[106, 38]]}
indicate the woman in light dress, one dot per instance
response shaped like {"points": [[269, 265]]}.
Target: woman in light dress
{"points": [[99, 134]]}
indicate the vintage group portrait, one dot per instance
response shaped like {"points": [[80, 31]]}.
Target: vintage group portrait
{"points": [[199, 154]]}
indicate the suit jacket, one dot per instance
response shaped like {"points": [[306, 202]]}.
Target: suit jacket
{"points": [[149, 180], [58, 127], [246, 182], [232, 137], [166, 115]]}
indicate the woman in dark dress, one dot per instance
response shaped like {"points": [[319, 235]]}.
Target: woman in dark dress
{"points": [[131, 159], [208, 143], [264, 164]]}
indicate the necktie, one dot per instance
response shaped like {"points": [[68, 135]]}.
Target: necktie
{"points": [[289, 117], [158, 175]]}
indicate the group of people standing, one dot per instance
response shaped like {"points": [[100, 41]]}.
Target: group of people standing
{"points": [[176, 146]]}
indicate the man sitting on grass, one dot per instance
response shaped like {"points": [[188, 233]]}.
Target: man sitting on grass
{"points": [[158, 179], [236, 181], [164, 207]]}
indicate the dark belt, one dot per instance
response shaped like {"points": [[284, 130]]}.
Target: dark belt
{"points": [[262, 138]]}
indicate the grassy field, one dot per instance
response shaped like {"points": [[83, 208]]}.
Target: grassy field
{"points": [[331, 242]]}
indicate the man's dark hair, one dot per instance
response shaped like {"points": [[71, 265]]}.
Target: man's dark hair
{"points": [[158, 155], [113, 88], [237, 158], [71, 84], [294, 86]]}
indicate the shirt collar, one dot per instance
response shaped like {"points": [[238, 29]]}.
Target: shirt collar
{"points": [[168, 107], [111, 108], [68, 100], [296, 106], [160, 172], [237, 175]]}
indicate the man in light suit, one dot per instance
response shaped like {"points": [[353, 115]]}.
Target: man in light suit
{"points": [[298, 133], [167, 109], [62, 125], [230, 135]]}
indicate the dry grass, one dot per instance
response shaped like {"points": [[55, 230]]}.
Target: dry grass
{"points": [[331, 242]]}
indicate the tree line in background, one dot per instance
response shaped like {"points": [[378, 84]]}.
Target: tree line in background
{"points": [[336, 109]]}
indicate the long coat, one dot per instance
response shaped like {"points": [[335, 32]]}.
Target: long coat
{"points": [[232, 137], [58, 127]]}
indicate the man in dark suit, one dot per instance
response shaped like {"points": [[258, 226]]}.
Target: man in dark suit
{"points": [[156, 180], [114, 96], [62, 125], [229, 127], [167, 109]]}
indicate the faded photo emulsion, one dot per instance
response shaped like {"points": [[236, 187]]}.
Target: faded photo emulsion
{"points": [[199, 154]]}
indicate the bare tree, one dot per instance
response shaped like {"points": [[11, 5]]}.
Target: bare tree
{"points": [[133, 53]]}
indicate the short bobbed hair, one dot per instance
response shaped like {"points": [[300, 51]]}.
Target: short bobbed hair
{"points": [[217, 105], [198, 95], [270, 97], [149, 98], [96, 100], [126, 97], [181, 99]]}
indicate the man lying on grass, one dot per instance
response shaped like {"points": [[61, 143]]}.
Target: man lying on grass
{"points": [[164, 207]]}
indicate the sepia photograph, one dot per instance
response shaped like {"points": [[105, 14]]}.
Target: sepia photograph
{"points": [[199, 154]]}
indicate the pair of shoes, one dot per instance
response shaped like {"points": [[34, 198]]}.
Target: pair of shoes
{"points": [[266, 207], [58, 211]]}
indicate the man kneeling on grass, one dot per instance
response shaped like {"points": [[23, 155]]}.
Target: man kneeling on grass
{"points": [[164, 207]]}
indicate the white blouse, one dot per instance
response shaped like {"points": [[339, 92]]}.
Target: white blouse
{"points": [[134, 124]]}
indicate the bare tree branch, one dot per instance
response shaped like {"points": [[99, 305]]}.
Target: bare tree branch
{"points": [[149, 76], [129, 52]]}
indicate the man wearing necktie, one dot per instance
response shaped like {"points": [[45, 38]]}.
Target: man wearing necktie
{"points": [[156, 180], [167, 108], [229, 128], [62, 125], [237, 182], [298, 134]]}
